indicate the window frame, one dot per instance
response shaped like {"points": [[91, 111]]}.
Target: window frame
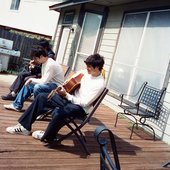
{"points": [[15, 4], [115, 91], [70, 14], [78, 53]]}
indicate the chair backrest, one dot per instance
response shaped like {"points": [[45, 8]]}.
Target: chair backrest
{"points": [[96, 103], [69, 74], [131, 99], [103, 141], [151, 98], [141, 90], [66, 69]]}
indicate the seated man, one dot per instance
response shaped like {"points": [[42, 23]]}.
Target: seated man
{"points": [[34, 71], [52, 75], [45, 44], [63, 103]]}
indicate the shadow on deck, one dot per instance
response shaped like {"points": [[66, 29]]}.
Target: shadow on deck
{"points": [[23, 152]]}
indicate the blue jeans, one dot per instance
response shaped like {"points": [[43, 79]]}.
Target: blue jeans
{"points": [[26, 92], [43, 88]]}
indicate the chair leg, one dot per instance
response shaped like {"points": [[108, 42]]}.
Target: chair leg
{"points": [[143, 124], [79, 131], [83, 143], [80, 137], [133, 129], [154, 138], [117, 116], [166, 164]]}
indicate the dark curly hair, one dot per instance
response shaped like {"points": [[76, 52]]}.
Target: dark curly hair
{"points": [[37, 51], [95, 60]]}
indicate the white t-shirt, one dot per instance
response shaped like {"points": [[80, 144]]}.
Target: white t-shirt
{"points": [[90, 88], [51, 72]]}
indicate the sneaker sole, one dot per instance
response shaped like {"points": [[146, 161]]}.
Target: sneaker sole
{"points": [[18, 133], [8, 108]]}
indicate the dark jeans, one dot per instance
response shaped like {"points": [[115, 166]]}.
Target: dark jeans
{"points": [[19, 81], [62, 109]]}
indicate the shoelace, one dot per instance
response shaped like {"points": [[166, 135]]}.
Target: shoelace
{"points": [[38, 135]]}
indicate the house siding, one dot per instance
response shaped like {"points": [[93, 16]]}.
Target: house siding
{"points": [[109, 39], [71, 36], [107, 48]]}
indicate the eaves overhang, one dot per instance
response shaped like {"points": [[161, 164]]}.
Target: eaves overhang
{"points": [[68, 3]]}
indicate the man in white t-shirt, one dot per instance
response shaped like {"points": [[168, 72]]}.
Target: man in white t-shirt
{"points": [[52, 75], [34, 70], [63, 103]]}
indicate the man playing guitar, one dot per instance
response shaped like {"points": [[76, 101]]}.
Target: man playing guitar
{"points": [[63, 103]]}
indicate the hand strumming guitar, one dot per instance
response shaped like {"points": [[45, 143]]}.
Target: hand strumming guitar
{"points": [[59, 90], [68, 87]]}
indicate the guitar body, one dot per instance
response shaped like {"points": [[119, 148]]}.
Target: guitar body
{"points": [[70, 85], [73, 83]]}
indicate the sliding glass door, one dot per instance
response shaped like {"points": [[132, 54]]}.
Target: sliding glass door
{"points": [[88, 39]]}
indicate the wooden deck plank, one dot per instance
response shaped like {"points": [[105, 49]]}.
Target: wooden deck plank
{"points": [[19, 152]]}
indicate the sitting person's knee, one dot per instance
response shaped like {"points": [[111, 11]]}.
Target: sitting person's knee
{"points": [[37, 89], [41, 96]]}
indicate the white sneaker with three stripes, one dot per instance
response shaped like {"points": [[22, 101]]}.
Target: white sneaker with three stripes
{"points": [[18, 129]]}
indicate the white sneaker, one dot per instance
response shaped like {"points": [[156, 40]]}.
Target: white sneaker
{"points": [[18, 129], [11, 107], [38, 134]]}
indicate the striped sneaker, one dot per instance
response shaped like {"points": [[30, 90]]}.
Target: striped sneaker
{"points": [[18, 129]]}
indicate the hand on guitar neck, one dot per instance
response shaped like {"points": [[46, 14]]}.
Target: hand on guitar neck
{"points": [[68, 86]]}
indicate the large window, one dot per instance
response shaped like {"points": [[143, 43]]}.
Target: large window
{"points": [[88, 38], [15, 4], [143, 51]]}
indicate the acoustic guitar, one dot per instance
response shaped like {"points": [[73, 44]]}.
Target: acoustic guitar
{"points": [[69, 85], [73, 83]]}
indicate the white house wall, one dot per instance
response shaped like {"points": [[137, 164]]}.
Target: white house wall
{"points": [[33, 16], [108, 46], [72, 34]]}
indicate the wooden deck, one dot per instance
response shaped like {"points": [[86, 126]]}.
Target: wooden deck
{"points": [[23, 152]]}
